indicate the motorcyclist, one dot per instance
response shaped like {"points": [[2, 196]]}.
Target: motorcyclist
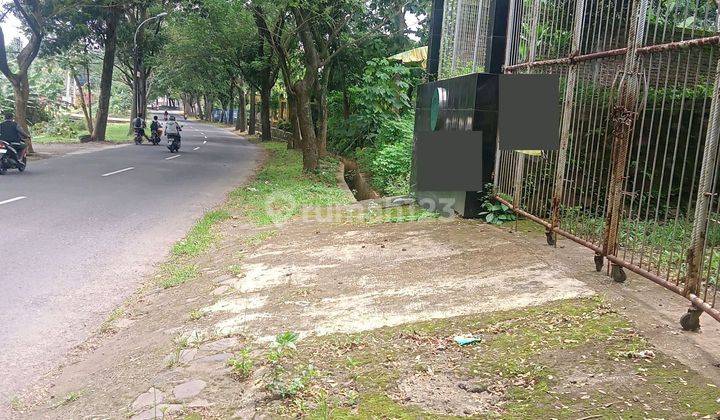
{"points": [[173, 129], [139, 126], [13, 134], [154, 125]]}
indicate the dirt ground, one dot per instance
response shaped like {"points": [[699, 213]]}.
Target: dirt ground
{"points": [[44, 151], [358, 318]]}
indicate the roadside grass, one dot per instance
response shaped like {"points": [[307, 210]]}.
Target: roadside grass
{"points": [[569, 359], [281, 190], [116, 133], [174, 274], [200, 237], [400, 214], [109, 322]]}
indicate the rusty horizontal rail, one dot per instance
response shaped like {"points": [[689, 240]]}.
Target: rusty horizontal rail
{"points": [[649, 49], [695, 300]]}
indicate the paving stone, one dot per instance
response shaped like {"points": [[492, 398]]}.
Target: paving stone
{"points": [[220, 290], [222, 278], [219, 345], [189, 389], [199, 403], [124, 322], [215, 358], [187, 355], [158, 412], [149, 398]]}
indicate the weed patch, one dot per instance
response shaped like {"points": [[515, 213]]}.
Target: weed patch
{"points": [[282, 189], [174, 274], [200, 237], [242, 364], [555, 361]]}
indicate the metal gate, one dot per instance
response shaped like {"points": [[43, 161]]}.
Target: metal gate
{"points": [[636, 178]]}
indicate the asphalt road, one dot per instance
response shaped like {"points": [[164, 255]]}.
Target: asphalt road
{"points": [[78, 233]]}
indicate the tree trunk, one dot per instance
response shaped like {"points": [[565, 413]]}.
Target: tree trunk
{"points": [[346, 103], [209, 100], [241, 121], [231, 111], [296, 140], [223, 109], [307, 130], [253, 114], [83, 103], [265, 111], [21, 89], [322, 123], [103, 111]]}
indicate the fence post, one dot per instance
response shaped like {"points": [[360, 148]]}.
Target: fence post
{"points": [[691, 320], [532, 48], [508, 58], [567, 115], [624, 114]]}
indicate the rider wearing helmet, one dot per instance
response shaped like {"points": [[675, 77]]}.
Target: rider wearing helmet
{"points": [[172, 128], [139, 126], [14, 135]]}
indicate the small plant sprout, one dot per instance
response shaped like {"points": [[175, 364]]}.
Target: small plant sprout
{"points": [[242, 364], [196, 314]]}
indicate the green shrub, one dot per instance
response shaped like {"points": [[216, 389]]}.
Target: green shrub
{"points": [[390, 160]]}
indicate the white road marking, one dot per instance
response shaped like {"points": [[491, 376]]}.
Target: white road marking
{"points": [[120, 171], [204, 141], [205, 136], [12, 200], [196, 148], [172, 157]]}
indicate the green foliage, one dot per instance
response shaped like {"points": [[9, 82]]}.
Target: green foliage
{"points": [[381, 96], [175, 275], [242, 364], [281, 189], [61, 127], [495, 212], [282, 381], [380, 128], [390, 159], [200, 237]]}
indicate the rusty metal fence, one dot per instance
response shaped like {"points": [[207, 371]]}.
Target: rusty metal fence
{"points": [[636, 176]]}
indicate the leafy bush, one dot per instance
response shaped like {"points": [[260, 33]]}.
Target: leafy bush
{"points": [[284, 125], [381, 96], [390, 160], [495, 212], [242, 364], [62, 127]]}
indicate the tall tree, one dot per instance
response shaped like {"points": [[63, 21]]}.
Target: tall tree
{"points": [[108, 35], [34, 15]]}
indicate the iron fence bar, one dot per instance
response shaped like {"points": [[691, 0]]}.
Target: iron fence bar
{"points": [[623, 120], [694, 299], [649, 49], [568, 103], [704, 200]]}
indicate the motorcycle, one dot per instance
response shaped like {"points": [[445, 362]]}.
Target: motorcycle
{"points": [[155, 137], [173, 143], [9, 158]]}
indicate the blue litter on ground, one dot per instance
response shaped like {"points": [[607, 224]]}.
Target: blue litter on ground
{"points": [[464, 340]]}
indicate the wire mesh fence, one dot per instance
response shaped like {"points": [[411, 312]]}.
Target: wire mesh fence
{"points": [[636, 175], [464, 37]]}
